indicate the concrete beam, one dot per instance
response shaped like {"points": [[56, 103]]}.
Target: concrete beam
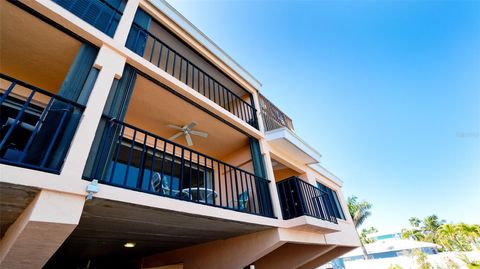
{"points": [[40, 230], [237, 252], [326, 257], [291, 256]]}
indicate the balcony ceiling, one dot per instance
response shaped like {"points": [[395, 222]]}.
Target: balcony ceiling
{"points": [[33, 51], [152, 108]]}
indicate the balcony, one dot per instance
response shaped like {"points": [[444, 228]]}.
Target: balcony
{"points": [[101, 14], [36, 125], [153, 42], [42, 91], [299, 198], [138, 146], [273, 118], [142, 161]]}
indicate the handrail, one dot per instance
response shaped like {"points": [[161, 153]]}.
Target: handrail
{"points": [[243, 110], [42, 91]]}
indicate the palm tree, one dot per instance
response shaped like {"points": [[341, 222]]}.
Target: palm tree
{"points": [[449, 233], [359, 211], [415, 222], [471, 233]]}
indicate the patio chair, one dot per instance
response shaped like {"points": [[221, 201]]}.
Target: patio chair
{"points": [[242, 201], [161, 186]]}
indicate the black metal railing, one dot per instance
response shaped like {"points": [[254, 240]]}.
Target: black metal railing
{"points": [[273, 117], [172, 62], [136, 159], [299, 198], [36, 125], [102, 14]]}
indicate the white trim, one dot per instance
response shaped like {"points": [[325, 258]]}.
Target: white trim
{"points": [[320, 169], [285, 133], [191, 29]]}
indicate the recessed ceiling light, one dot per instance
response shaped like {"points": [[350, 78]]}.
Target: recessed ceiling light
{"points": [[129, 245]]}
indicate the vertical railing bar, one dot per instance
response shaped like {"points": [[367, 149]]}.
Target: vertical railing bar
{"points": [[130, 157], [220, 183], [214, 89], [172, 167], [182, 166], [166, 60], [7, 92], [153, 47], [226, 184], [205, 177], [204, 85], [118, 153], [236, 184], [17, 119], [198, 80], [37, 126], [198, 176], [142, 164], [163, 165], [160, 55], [241, 184], [291, 196], [152, 167], [253, 192], [174, 63], [213, 182], [186, 76], [180, 69], [193, 77], [190, 179]]}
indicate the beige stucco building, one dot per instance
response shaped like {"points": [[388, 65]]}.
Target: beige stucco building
{"points": [[130, 140]]}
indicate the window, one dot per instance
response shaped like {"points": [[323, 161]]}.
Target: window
{"points": [[332, 196]]}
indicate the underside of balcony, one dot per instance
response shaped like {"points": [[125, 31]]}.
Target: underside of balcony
{"points": [[105, 227]]}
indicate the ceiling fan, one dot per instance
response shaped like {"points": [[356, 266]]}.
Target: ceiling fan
{"points": [[187, 131]]}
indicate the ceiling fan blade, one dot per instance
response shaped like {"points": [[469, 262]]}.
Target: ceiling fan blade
{"points": [[190, 125], [175, 127], [175, 135], [202, 134], [189, 140]]}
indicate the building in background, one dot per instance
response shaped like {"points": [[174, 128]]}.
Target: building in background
{"points": [[130, 140]]}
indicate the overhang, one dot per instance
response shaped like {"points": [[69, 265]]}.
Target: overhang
{"points": [[287, 142]]}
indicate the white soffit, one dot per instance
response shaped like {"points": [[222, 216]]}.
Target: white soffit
{"points": [[288, 143], [191, 29]]}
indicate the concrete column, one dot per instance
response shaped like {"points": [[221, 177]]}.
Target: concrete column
{"points": [[126, 21], [40, 230], [111, 66], [271, 176]]}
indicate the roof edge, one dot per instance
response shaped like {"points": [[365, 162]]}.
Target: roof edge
{"points": [[203, 39]]}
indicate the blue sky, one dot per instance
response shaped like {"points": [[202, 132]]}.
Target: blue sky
{"points": [[387, 91]]}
